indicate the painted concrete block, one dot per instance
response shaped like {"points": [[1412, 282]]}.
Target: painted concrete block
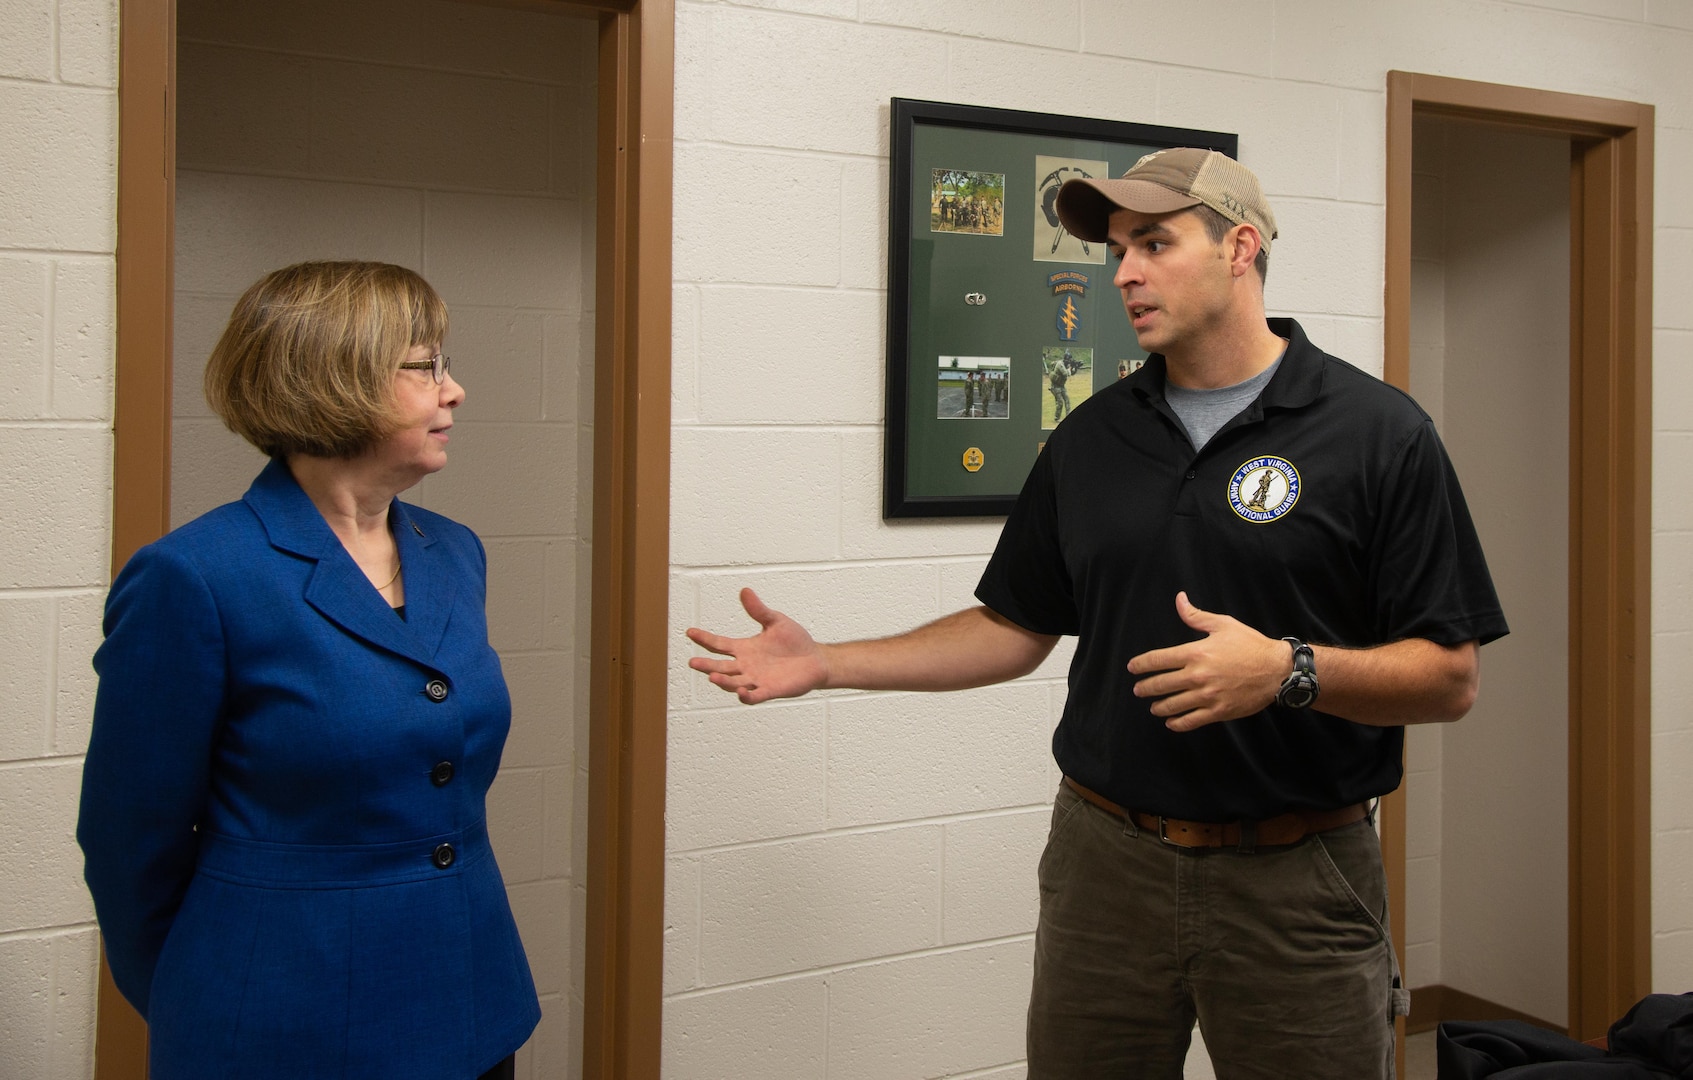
{"points": [[1672, 379], [864, 231], [1212, 33], [681, 924], [765, 92], [1059, 81], [865, 535], [838, 9], [214, 466], [1605, 9], [567, 368], [931, 1015], [1672, 881], [1672, 455], [88, 42], [1672, 681], [1423, 747], [382, 30], [753, 216], [244, 110], [48, 983], [1268, 116], [1342, 43], [684, 689], [1672, 962], [1422, 899], [774, 1031], [55, 532], [1672, 582], [1363, 146], [39, 858], [1672, 279], [517, 821], [570, 144], [1423, 816], [1422, 964], [1055, 24], [498, 356], [27, 626], [374, 122], [797, 515], [79, 634], [542, 727], [834, 603], [1669, 13], [517, 615], [559, 787], [959, 578], [745, 774], [84, 338], [24, 374], [505, 250], [513, 43], [231, 230], [990, 889], [58, 185], [793, 906], [198, 320], [480, 462], [692, 72], [684, 354], [26, 52], [542, 910], [1672, 802], [1329, 257], [903, 756], [752, 369]]}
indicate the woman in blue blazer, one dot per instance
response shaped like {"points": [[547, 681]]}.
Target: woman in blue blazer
{"points": [[298, 719]]}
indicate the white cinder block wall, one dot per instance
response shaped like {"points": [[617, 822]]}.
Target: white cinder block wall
{"points": [[457, 140], [58, 185], [823, 853]]}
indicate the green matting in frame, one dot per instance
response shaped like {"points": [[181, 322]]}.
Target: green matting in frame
{"points": [[999, 320]]}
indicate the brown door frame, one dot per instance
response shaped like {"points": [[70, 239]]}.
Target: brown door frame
{"points": [[627, 734], [1610, 509]]}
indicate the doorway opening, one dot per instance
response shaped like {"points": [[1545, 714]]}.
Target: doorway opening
{"points": [[625, 432], [1602, 708]]}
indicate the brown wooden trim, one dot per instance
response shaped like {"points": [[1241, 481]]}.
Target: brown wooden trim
{"points": [[1432, 1006], [1610, 528], [625, 931]]}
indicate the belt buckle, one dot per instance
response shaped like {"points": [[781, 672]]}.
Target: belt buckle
{"points": [[1164, 832]]}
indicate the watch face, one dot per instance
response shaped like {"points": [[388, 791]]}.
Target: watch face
{"points": [[1298, 692]]}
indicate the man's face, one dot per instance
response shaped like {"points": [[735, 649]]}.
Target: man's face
{"points": [[1176, 282]]}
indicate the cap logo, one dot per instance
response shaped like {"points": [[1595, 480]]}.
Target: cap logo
{"points": [[1263, 489], [1232, 203]]}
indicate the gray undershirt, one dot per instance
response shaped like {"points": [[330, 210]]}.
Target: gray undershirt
{"points": [[1204, 412]]}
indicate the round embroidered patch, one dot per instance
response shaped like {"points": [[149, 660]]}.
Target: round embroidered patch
{"points": [[1264, 489]]}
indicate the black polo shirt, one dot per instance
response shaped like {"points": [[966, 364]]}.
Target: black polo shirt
{"points": [[1327, 510]]}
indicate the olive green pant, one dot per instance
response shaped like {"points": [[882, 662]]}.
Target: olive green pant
{"points": [[1282, 955]]}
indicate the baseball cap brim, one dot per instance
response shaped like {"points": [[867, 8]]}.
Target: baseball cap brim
{"points": [[1085, 206]]}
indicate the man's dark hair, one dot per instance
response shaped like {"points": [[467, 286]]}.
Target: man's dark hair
{"points": [[1217, 226]]}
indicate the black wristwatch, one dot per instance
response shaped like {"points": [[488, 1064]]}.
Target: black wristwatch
{"points": [[1299, 689]]}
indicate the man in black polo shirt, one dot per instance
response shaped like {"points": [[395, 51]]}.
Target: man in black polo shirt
{"points": [[1269, 568]]}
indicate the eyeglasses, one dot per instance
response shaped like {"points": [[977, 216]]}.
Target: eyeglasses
{"points": [[436, 365]]}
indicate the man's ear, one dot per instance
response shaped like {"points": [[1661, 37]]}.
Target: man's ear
{"points": [[1243, 242]]}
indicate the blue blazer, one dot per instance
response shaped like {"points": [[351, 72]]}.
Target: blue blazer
{"points": [[283, 802]]}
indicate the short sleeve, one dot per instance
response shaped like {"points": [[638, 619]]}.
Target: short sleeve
{"points": [[1028, 580], [1431, 576]]}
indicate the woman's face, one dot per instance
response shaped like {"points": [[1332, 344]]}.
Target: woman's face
{"points": [[425, 408]]}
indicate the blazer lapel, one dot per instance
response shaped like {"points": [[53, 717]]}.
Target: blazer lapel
{"points": [[337, 588]]}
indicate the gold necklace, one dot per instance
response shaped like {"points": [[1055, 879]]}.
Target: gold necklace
{"points": [[396, 577]]}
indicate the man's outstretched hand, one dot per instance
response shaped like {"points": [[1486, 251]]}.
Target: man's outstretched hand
{"points": [[1232, 671], [779, 661]]}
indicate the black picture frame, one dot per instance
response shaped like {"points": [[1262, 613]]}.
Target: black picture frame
{"points": [[964, 451]]}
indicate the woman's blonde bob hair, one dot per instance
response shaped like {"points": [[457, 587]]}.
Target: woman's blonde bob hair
{"points": [[307, 362]]}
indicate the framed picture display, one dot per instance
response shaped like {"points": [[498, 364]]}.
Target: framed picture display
{"points": [[999, 320]]}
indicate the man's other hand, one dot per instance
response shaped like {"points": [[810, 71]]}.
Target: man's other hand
{"points": [[1233, 671]]}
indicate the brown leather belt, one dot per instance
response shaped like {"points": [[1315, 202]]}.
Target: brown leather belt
{"points": [[1288, 828]]}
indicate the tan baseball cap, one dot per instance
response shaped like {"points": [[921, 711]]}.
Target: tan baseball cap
{"points": [[1163, 182]]}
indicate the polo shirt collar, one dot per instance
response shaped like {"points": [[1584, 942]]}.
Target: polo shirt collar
{"points": [[1296, 383]]}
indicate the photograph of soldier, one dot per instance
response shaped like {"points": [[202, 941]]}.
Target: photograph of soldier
{"points": [[1053, 243], [973, 388], [967, 202], [1069, 381]]}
